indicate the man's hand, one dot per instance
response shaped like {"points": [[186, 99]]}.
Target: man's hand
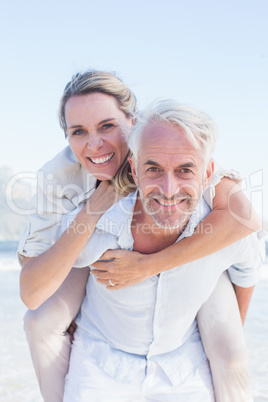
{"points": [[122, 268]]}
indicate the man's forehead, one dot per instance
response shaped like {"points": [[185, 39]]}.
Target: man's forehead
{"points": [[166, 133], [165, 138]]}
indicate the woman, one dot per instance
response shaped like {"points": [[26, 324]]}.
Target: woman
{"points": [[95, 109]]}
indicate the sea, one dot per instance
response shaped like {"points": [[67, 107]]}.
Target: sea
{"points": [[17, 377]]}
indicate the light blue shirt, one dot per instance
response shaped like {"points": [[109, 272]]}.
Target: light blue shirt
{"points": [[154, 319]]}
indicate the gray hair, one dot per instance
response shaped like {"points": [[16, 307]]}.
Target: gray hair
{"points": [[197, 125]]}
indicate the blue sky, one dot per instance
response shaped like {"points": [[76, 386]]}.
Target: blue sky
{"points": [[207, 53]]}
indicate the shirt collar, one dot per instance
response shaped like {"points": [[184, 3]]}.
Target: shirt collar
{"points": [[117, 220], [201, 211]]}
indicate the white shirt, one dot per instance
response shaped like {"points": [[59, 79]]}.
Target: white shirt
{"points": [[63, 185], [154, 319]]}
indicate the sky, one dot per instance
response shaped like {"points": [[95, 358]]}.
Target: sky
{"points": [[210, 54]]}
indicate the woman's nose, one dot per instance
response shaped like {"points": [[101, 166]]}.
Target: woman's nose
{"points": [[94, 142]]}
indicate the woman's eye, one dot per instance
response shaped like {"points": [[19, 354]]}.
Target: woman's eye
{"points": [[79, 131], [107, 126]]}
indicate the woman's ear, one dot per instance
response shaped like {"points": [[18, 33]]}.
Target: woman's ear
{"points": [[133, 169]]}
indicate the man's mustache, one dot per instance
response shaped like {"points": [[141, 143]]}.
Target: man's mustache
{"points": [[176, 198]]}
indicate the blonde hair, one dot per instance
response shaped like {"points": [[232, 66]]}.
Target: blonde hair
{"points": [[98, 81], [123, 181], [107, 83]]}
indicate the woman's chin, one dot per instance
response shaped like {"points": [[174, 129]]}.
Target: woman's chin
{"points": [[108, 175], [101, 172]]}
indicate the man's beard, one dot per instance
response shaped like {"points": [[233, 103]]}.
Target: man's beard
{"points": [[169, 219]]}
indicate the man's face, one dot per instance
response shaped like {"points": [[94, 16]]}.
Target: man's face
{"points": [[171, 175]]}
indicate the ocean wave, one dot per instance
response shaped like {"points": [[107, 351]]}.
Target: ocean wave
{"points": [[9, 264]]}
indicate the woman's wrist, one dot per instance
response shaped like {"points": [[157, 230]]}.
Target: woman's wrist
{"points": [[150, 263], [87, 220], [163, 260]]}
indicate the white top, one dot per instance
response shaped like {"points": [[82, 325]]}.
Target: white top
{"points": [[154, 319], [63, 185]]}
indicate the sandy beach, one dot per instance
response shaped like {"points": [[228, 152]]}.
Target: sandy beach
{"points": [[17, 380]]}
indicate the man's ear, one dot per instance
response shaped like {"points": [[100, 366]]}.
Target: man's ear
{"points": [[209, 173], [133, 169]]}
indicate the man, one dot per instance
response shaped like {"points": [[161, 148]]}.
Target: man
{"points": [[142, 342]]}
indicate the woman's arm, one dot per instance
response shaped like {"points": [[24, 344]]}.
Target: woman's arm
{"points": [[41, 276], [231, 219]]}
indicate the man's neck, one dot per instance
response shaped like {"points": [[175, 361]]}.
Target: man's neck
{"points": [[148, 236]]}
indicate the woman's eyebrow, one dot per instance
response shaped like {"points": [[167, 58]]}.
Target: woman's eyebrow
{"points": [[75, 126], [101, 122], [106, 120]]}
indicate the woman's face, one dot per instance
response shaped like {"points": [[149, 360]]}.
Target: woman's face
{"points": [[94, 128]]}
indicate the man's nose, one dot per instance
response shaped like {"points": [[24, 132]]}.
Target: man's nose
{"points": [[170, 185], [94, 142]]}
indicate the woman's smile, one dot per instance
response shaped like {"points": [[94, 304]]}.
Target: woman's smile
{"points": [[101, 159]]}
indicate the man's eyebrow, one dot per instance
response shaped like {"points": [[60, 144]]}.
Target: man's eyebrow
{"points": [[187, 165], [152, 163], [183, 165]]}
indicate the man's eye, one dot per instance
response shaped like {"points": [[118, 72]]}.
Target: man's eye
{"points": [[153, 169], [185, 173], [185, 170]]}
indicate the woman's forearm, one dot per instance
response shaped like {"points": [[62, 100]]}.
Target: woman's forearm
{"points": [[217, 231], [232, 219], [41, 276]]}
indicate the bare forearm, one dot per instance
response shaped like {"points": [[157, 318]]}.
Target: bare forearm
{"points": [[217, 231], [41, 276], [231, 219]]}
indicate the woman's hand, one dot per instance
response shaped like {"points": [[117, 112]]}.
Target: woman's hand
{"points": [[102, 199], [122, 268]]}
